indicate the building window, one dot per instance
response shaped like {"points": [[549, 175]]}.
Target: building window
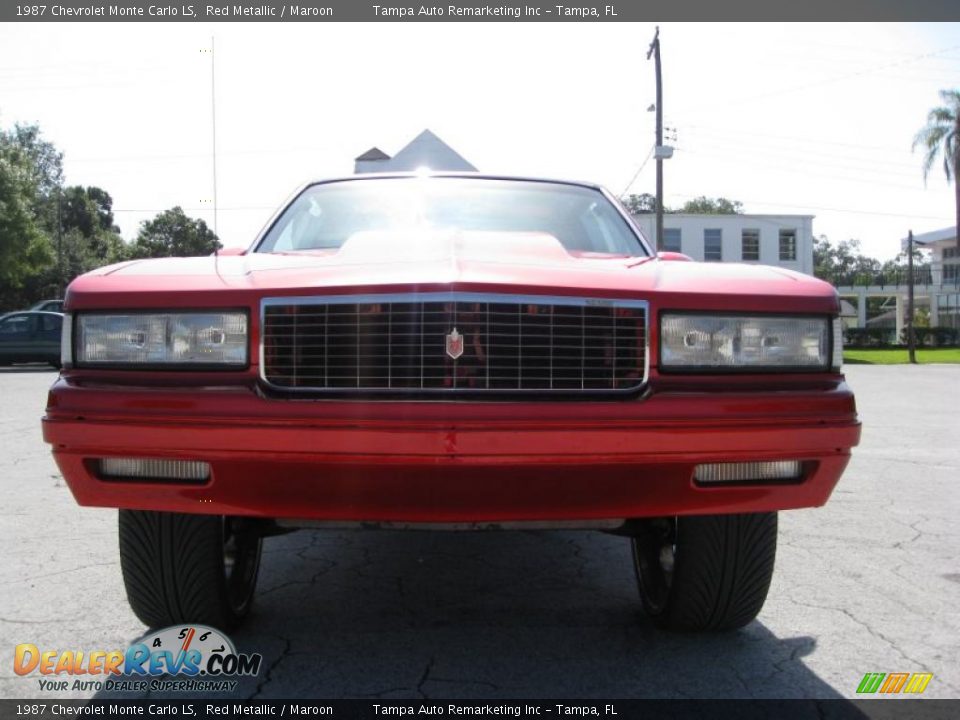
{"points": [[671, 239], [712, 245], [949, 252], [750, 245], [788, 244]]}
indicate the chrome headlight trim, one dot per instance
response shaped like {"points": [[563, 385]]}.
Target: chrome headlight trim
{"points": [[66, 341], [836, 363], [706, 342]]}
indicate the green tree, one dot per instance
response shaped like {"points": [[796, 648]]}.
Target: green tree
{"points": [[49, 234], [646, 204], [941, 138], [896, 271], [24, 244], [173, 234], [89, 209], [45, 160], [844, 264], [643, 204], [89, 237], [34, 173], [712, 206], [46, 170]]}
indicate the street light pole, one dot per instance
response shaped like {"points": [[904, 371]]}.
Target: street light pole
{"points": [[655, 51]]}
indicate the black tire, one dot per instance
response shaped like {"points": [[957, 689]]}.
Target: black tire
{"points": [[705, 573], [180, 568]]}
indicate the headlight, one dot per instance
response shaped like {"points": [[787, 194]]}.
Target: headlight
{"points": [[762, 342], [144, 339]]}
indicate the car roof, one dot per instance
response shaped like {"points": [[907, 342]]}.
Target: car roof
{"points": [[31, 312], [467, 175]]}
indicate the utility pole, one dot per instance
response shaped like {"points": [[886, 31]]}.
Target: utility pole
{"points": [[213, 116], [60, 284], [911, 339], [655, 51]]}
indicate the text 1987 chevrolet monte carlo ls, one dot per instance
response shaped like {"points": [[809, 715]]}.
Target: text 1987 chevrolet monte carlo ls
{"points": [[450, 351]]}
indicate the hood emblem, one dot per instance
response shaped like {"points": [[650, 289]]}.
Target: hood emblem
{"points": [[454, 344]]}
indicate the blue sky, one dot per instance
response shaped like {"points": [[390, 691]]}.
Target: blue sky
{"points": [[807, 119]]}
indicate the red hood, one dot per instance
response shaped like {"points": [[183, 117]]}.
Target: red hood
{"points": [[484, 262]]}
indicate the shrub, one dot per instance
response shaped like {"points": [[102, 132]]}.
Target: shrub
{"points": [[921, 334], [867, 337], [945, 336], [931, 337]]}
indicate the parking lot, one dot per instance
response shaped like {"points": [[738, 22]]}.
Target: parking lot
{"points": [[869, 583]]}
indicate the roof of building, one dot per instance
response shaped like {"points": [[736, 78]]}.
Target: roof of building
{"points": [[373, 153], [928, 238], [949, 233], [426, 149]]}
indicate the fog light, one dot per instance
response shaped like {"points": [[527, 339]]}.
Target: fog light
{"points": [[152, 469], [748, 471]]}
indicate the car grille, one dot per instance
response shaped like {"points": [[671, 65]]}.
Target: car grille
{"points": [[453, 342]]}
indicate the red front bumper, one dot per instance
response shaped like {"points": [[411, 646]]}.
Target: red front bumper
{"points": [[450, 461]]}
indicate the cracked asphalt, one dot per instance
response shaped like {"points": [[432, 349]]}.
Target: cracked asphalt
{"points": [[869, 583]]}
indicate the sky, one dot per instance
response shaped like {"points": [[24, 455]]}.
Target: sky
{"points": [[787, 118]]}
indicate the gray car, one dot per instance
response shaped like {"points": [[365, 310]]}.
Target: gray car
{"points": [[48, 306], [29, 336]]}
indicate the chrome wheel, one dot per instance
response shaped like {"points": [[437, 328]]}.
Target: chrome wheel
{"points": [[241, 560], [654, 559]]}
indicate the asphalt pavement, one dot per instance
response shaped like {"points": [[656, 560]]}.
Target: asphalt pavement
{"points": [[868, 583]]}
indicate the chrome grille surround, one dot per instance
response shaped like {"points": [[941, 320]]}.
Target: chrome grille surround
{"points": [[416, 363]]}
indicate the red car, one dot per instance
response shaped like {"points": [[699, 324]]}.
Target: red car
{"points": [[457, 352]]}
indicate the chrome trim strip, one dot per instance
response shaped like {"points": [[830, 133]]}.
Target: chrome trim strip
{"points": [[454, 296], [601, 524]]}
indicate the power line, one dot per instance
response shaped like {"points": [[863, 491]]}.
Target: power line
{"points": [[637, 173], [808, 167], [835, 79], [805, 158], [793, 170], [795, 138]]}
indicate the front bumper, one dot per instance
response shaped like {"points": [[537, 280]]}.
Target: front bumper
{"points": [[450, 462]]}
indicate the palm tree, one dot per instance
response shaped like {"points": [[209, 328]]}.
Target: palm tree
{"points": [[941, 136]]}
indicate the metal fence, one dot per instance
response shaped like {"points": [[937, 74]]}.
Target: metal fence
{"points": [[945, 274]]}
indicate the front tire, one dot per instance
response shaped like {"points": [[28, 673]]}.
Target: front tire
{"points": [[180, 568], [705, 573]]}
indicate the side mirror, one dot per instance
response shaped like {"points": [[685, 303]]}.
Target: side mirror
{"points": [[225, 252], [668, 255]]}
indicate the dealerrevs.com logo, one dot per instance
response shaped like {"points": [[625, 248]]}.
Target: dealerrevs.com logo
{"points": [[181, 658], [894, 683]]}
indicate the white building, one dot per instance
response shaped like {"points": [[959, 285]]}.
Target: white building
{"points": [[425, 150], [784, 240], [944, 254], [937, 290]]}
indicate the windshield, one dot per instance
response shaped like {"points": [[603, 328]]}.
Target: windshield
{"points": [[325, 216]]}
